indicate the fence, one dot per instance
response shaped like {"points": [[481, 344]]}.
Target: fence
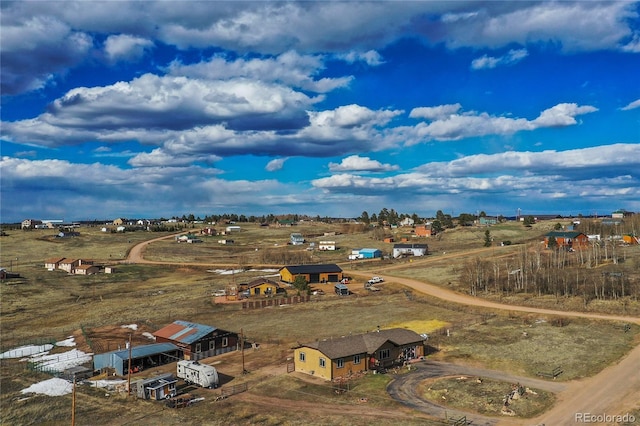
{"points": [[265, 303], [232, 390], [551, 374]]}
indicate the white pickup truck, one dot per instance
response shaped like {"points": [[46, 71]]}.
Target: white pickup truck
{"points": [[374, 280]]}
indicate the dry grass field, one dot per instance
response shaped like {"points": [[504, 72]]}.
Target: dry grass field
{"points": [[51, 305]]}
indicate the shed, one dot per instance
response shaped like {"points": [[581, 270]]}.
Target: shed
{"points": [[145, 356], [341, 290], [156, 388], [370, 253]]}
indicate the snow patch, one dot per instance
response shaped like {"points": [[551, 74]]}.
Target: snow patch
{"points": [[133, 327], [68, 342], [149, 335], [51, 387]]}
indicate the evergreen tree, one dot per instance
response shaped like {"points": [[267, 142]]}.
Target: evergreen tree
{"points": [[487, 238]]}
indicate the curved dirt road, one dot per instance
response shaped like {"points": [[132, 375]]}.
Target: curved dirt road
{"points": [[613, 391], [406, 388]]}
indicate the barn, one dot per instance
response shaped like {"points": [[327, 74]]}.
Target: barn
{"points": [[312, 273]]}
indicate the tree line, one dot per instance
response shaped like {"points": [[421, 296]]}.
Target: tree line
{"points": [[600, 272]]}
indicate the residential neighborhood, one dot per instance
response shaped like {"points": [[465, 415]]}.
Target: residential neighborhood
{"points": [[181, 360]]}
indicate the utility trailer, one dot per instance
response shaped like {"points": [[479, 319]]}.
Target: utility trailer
{"points": [[200, 374]]}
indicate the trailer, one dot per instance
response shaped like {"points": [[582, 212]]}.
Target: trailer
{"points": [[200, 374]]}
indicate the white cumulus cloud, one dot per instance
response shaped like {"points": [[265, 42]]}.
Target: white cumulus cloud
{"points": [[126, 47]]}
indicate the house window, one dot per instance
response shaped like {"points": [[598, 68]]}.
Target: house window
{"points": [[356, 359], [198, 347], [225, 342], [323, 362], [212, 345], [340, 363], [384, 354], [302, 357]]}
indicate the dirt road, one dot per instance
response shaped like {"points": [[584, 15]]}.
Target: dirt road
{"points": [[614, 391]]}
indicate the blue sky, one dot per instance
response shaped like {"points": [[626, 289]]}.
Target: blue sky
{"points": [[149, 109]]}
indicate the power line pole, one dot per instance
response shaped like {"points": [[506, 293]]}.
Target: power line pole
{"points": [[73, 403], [129, 372]]}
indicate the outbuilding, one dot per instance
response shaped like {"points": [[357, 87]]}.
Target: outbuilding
{"points": [[156, 388], [370, 253], [142, 357]]}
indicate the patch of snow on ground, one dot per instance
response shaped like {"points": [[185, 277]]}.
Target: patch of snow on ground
{"points": [[149, 335], [51, 387], [68, 342], [23, 351], [237, 271], [61, 361], [227, 271], [131, 326]]}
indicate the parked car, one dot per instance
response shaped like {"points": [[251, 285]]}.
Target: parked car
{"points": [[376, 280]]}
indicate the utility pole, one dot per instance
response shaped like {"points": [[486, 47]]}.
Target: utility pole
{"points": [[73, 403], [129, 372], [242, 350]]}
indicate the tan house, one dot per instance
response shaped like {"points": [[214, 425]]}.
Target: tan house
{"points": [[347, 355], [262, 287], [86, 269], [30, 223], [53, 263], [68, 265]]}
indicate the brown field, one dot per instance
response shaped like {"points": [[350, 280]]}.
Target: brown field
{"points": [[43, 305]]}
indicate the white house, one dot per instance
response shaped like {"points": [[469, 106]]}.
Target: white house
{"points": [[296, 239], [327, 245], [407, 221]]}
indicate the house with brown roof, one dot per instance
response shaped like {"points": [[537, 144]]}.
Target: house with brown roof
{"points": [[198, 341], [53, 263], [86, 269], [68, 264], [262, 287], [347, 355], [566, 240]]}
